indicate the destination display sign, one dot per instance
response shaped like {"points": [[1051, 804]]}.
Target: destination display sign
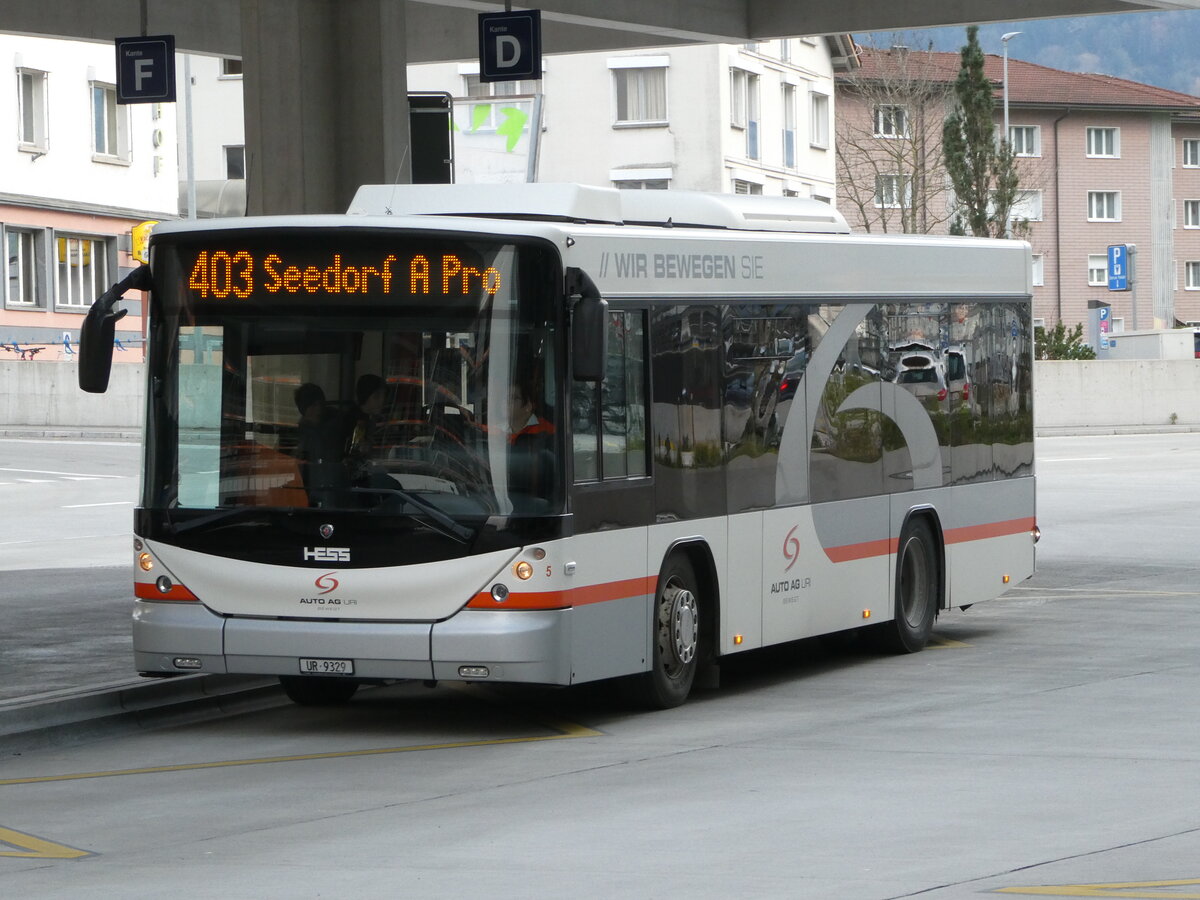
{"points": [[232, 273]]}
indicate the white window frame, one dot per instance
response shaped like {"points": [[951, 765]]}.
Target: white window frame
{"points": [[32, 110], [893, 191], [1027, 200], [1097, 270], [1038, 270], [1191, 153], [1097, 147], [1031, 142], [788, 99], [1191, 213], [891, 121], [742, 186], [1191, 276], [81, 267], [650, 69], [1107, 215], [648, 178], [819, 109], [23, 276], [114, 119]]}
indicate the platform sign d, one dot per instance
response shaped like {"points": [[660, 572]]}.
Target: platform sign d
{"points": [[510, 45], [146, 69]]}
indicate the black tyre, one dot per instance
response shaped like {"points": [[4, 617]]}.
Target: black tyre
{"points": [[317, 690], [917, 592], [676, 638]]}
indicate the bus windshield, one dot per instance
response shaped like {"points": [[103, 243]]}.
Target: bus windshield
{"points": [[353, 371]]}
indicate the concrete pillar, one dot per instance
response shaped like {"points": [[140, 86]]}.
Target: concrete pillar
{"points": [[326, 101]]}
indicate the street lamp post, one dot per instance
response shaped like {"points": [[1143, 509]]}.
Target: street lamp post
{"points": [[1004, 39]]}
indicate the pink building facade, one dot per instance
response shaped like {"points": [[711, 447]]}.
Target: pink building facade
{"points": [[1103, 161]]}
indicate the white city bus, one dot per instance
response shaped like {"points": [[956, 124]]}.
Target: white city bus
{"points": [[557, 434]]}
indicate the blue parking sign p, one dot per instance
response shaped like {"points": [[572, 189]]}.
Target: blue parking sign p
{"points": [[1118, 267], [146, 69]]}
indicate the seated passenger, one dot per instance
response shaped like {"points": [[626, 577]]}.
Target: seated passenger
{"points": [[319, 446]]}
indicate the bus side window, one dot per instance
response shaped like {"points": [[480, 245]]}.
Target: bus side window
{"points": [[608, 420]]}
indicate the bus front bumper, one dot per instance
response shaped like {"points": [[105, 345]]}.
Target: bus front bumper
{"points": [[531, 646]]}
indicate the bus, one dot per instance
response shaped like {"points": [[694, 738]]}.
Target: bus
{"points": [[340, 485]]}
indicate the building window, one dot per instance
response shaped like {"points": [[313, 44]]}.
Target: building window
{"points": [[1191, 154], [31, 109], [235, 162], [22, 267], [82, 270], [640, 91], [1098, 269], [231, 67], [110, 124], [1025, 140], [744, 107], [648, 184], [785, 49], [1039, 270], [1027, 205], [1191, 213], [892, 191], [789, 126], [1104, 142], [891, 122], [741, 186], [1191, 276], [819, 127], [1104, 206]]}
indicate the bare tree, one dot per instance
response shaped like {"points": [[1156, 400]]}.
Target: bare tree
{"points": [[889, 140]]}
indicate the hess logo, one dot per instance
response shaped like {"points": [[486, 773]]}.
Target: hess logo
{"points": [[791, 548], [327, 583], [327, 554]]}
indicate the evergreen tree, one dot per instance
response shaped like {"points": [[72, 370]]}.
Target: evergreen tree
{"points": [[982, 170]]}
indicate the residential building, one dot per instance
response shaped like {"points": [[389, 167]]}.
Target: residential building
{"points": [[1102, 161], [753, 118], [77, 173]]}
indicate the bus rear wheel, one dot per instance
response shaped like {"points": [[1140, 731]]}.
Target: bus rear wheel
{"points": [[676, 639], [916, 592], [317, 690]]}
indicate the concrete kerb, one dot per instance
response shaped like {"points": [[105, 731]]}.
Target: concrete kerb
{"points": [[71, 716]]}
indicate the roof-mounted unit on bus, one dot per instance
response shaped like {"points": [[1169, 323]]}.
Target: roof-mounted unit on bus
{"points": [[583, 203]]}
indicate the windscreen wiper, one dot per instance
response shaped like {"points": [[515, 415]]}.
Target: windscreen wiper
{"points": [[220, 515], [449, 528]]}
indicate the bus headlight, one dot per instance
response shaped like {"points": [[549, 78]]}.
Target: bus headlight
{"points": [[499, 593]]}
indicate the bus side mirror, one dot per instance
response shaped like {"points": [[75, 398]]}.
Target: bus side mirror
{"points": [[589, 327], [100, 327]]}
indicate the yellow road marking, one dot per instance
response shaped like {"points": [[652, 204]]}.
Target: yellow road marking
{"points": [[566, 730], [943, 643], [1130, 889], [35, 847]]}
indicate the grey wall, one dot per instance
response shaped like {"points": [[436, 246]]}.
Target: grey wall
{"points": [[47, 394], [1103, 394]]}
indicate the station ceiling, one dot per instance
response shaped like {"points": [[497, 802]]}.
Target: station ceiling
{"points": [[446, 29]]}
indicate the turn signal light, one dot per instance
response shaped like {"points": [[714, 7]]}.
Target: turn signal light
{"points": [[523, 570], [145, 562]]}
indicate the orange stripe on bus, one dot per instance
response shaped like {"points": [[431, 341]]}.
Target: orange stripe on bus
{"points": [[868, 549], [580, 596], [991, 530]]}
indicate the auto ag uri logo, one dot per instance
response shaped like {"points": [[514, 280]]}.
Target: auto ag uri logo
{"points": [[327, 583], [791, 548]]}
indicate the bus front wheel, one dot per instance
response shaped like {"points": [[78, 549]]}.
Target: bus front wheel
{"points": [[317, 690], [675, 641], [916, 591]]}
